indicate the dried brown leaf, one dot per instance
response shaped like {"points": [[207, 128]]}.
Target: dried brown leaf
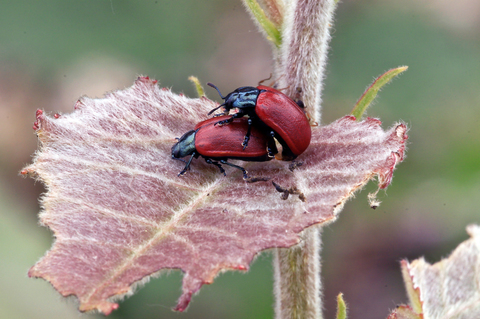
{"points": [[120, 213]]}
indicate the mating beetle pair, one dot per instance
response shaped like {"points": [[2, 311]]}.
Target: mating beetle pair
{"points": [[271, 115]]}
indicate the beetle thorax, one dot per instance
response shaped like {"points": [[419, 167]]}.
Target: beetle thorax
{"points": [[244, 97], [185, 145]]}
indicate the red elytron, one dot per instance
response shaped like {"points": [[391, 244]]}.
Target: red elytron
{"points": [[216, 144], [269, 109]]}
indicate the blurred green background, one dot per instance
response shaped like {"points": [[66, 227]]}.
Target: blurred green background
{"points": [[53, 51]]}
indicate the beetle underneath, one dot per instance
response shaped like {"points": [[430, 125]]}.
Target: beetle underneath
{"points": [[217, 144]]}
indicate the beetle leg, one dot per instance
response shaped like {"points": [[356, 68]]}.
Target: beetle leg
{"points": [[187, 167], [287, 191], [225, 121], [221, 114], [294, 165], [300, 104], [209, 161], [179, 159], [245, 176], [247, 136], [271, 145], [261, 82], [234, 116]]}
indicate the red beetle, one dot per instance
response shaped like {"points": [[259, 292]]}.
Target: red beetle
{"points": [[269, 107], [217, 144]]}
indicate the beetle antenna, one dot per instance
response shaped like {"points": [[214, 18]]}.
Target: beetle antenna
{"points": [[216, 108], [215, 87]]}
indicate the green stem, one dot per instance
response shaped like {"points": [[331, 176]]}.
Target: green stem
{"points": [[297, 278], [300, 69]]}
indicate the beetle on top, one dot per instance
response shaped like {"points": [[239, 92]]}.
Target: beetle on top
{"points": [[271, 110]]}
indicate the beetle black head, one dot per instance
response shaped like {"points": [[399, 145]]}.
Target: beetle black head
{"points": [[185, 145], [243, 97]]}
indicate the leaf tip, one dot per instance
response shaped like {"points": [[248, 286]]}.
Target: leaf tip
{"points": [[385, 173], [31, 272], [183, 302], [39, 117], [198, 87], [371, 92], [270, 24], [241, 267], [473, 230], [341, 307], [105, 307]]}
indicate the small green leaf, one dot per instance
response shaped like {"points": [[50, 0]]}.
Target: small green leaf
{"points": [[341, 307], [272, 31], [371, 92], [198, 86]]}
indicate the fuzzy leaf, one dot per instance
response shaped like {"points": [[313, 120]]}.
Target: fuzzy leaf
{"points": [[404, 312], [120, 213], [449, 288], [413, 292], [371, 92]]}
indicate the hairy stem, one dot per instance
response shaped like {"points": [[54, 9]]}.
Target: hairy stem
{"points": [[300, 69], [303, 54], [300, 57], [297, 278]]}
